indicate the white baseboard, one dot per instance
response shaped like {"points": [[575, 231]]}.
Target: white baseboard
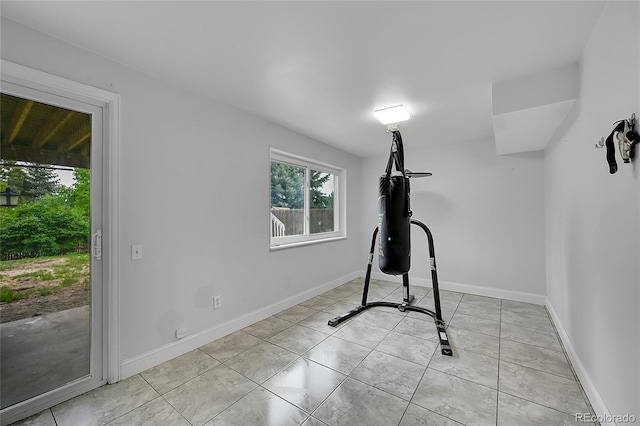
{"points": [[142, 362], [518, 296], [167, 352], [600, 408]]}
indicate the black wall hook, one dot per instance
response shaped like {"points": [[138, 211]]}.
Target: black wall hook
{"points": [[626, 136]]}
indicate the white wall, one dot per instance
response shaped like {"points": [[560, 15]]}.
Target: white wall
{"points": [[541, 88], [593, 234], [486, 213], [217, 240]]}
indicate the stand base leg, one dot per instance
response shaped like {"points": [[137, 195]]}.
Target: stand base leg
{"points": [[352, 313], [406, 295], [410, 299], [444, 339], [445, 347]]}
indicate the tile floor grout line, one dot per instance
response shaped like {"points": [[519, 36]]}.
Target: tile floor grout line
{"points": [[307, 413], [240, 353], [440, 414], [401, 337], [359, 344], [354, 368], [461, 378], [547, 372], [371, 350], [176, 410], [573, 376], [566, 355], [438, 346], [326, 366], [232, 404], [540, 403], [537, 403], [135, 408], [271, 316], [222, 363], [287, 349], [541, 371], [346, 376], [199, 349], [281, 369], [524, 326], [419, 381], [464, 378], [268, 378], [260, 385], [531, 344], [53, 416], [380, 389]]}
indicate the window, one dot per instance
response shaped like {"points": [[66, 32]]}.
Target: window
{"points": [[306, 204]]}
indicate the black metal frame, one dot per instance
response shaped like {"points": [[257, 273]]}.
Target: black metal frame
{"points": [[406, 296]]}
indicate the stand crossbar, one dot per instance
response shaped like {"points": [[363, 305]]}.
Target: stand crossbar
{"points": [[406, 296]]}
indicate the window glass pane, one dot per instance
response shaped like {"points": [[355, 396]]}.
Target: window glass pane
{"points": [[322, 190], [287, 200]]}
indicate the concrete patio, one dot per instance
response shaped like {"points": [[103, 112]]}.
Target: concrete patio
{"points": [[41, 353]]}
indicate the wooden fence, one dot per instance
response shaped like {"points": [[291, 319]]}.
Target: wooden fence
{"points": [[320, 220], [23, 255]]}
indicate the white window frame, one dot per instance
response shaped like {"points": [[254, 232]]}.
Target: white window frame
{"points": [[339, 201]]}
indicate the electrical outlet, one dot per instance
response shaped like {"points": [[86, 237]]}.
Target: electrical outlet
{"points": [[217, 302], [180, 333]]}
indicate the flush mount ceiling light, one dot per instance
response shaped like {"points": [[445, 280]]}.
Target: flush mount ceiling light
{"points": [[392, 115]]}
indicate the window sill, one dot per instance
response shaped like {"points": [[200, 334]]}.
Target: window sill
{"points": [[306, 243]]}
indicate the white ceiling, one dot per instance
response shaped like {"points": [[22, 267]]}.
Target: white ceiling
{"points": [[322, 68]]}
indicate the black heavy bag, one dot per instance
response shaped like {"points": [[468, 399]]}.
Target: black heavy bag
{"points": [[394, 215]]}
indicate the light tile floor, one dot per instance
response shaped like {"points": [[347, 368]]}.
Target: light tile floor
{"points": [[383, 367]]}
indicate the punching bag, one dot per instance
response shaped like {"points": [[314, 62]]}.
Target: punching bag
{"points": [[394, 214]]}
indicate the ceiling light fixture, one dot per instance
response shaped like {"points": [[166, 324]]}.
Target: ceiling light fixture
{"points": [[392, 115]]}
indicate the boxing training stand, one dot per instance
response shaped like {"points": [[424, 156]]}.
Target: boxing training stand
{"points": [[406, 295], [395, 249]]}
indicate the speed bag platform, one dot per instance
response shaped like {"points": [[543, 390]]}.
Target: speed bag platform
{"points": [[394, 223]]}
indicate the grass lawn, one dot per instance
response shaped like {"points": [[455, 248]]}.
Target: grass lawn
{"points": [[44, 284]]}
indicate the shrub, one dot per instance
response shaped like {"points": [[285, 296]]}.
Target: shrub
{"points": [[45, 227]]}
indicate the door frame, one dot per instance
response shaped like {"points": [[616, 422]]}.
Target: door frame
{"points": [[110, 104]]}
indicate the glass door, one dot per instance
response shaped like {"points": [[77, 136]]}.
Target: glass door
{"points": [[51, 286]]}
